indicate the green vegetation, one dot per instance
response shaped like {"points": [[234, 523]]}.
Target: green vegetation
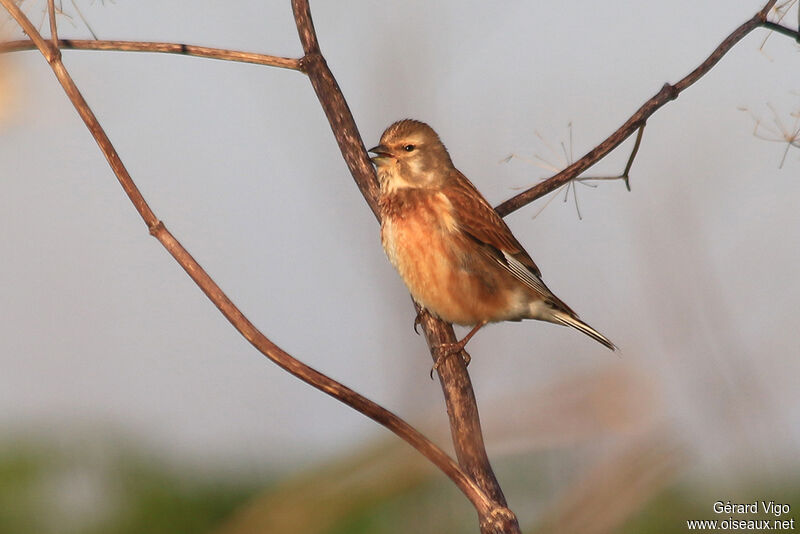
{"points": [[45, 490], [381, 489]]}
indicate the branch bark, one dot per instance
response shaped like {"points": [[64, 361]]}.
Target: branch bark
{"points": [[783, 30], [51, 14], [637, 120], [162, 48], [462, 407], [485, 507], [465, 425]]}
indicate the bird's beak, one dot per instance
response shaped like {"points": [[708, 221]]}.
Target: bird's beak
{"points": [[382, 154]]}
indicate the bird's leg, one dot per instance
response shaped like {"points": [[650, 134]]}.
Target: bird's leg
{"points": [[451, 348], [446, 349]]}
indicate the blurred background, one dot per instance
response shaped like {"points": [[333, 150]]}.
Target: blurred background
{"points": [[128, 404]]}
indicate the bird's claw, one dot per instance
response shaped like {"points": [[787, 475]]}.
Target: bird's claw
{"points": [[417, 322], [448, 349]]}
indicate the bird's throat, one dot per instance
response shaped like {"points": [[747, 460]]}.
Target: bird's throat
{"points": [[391, 179]]}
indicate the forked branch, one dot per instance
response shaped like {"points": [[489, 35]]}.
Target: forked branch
{"points": [[637, 120], [462, 407], [50, 50]]}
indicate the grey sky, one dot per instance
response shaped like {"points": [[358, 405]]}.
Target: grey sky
{"points": [[693, 274]]}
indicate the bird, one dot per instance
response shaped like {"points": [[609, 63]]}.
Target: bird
{"points": [[456, 255]]}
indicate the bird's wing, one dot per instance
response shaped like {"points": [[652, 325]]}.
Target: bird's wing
{"points": [[477, 218]]}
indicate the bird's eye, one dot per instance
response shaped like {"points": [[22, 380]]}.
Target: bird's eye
{"points": [[409, 148]]}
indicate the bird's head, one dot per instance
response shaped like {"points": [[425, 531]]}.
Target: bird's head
{"points": [[411, 154]]}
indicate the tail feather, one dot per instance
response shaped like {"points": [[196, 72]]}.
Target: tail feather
{"points": [[566, 319]]}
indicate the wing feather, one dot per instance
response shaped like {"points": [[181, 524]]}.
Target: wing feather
{"points": [[477, 218]]}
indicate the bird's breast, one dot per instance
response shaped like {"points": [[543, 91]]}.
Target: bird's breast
{"points": [[436, 260], [415, 228], [416, 242]]}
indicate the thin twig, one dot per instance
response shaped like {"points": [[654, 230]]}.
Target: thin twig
{"points": [[85, 22], [780, 10], [51, 14], [666, 94], [164, 48], [309, 375], [783, 30], [583, 180], [626, 174]]}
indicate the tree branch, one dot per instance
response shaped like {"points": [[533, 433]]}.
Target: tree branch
{"points": [[336, 109], [163, 48], [462, 409], [626, 174], [485, 507], [51, 15], [783, 30], [459, 395], [637, 120]]}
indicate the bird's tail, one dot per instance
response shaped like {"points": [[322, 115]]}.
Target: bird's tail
{"points": [[562, 317]]}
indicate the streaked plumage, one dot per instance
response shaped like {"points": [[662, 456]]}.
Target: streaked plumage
{"points": [[458, 258]]}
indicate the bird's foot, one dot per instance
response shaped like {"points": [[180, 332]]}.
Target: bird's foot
{"points": [[448, 349], [421, 314], [418, 321]]}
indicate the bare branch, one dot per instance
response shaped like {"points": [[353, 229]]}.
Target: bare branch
{"points": [[637, 120], [626, 174], [583, 180], [485, 507], [459, 396], [336, 109], [783, 30], [462, 409], [163, 48], [51, 14]]}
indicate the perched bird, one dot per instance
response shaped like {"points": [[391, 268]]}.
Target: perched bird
{"points": [[456, 255]]}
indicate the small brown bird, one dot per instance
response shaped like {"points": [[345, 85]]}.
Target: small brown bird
{"points": [[456, 255]]}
